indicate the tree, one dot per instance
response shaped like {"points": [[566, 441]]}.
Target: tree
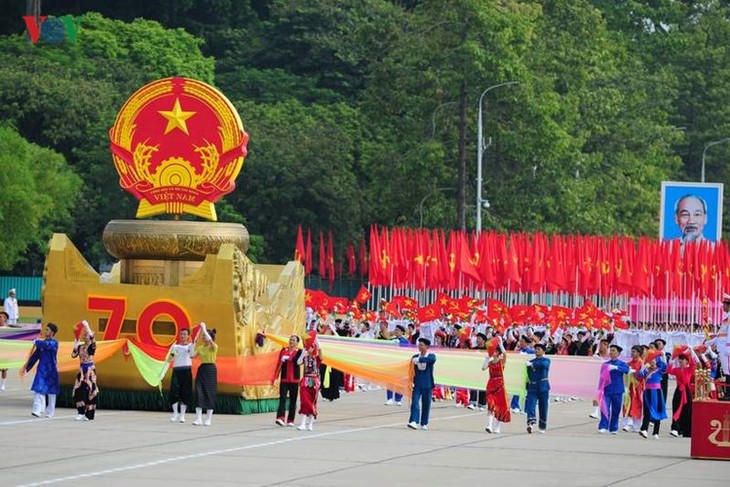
{"points": [[39, 190]]}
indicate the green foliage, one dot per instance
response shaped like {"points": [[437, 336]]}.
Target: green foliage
{"points": [[366, 112], [39, 189]]}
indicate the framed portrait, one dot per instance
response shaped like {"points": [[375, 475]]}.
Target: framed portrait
{"points": [[690, 211]]}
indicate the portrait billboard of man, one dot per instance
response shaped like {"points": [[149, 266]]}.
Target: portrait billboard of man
{"points": [[691, 212]]}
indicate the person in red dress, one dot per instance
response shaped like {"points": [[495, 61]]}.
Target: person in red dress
{"points": [[498, 411], [633, 400], [683, 368], [309, 386]]}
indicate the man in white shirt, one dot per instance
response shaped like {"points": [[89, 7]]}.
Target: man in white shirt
{"points": [[10, 305]]}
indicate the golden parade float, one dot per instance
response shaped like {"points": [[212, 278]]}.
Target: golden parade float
{"points": [[178, 145]]}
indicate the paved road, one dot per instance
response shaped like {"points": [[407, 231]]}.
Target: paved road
{"points": [[356, 442]]}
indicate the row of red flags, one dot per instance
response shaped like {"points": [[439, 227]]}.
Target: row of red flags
{"points": [[491, 311], [521, 262]]}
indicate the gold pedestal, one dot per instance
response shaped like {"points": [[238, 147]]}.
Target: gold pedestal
{"points": [[173, 274]]}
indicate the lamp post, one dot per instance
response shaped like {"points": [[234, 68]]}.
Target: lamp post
{"points": [[420, 206], [704, 153], [480, 152]]}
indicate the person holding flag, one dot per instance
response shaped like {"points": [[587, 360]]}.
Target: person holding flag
{"points": [[633, 405], [611, 390], [289, 371], [498, 410], [653, 401], [85, 391], [181, 386], [682, 367], [538, 389], [311, 359]]}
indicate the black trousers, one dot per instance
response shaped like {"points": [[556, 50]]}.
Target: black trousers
{"points": [[292, 390], [683, 425], [479, 397], [647, 419], [665, 386]]}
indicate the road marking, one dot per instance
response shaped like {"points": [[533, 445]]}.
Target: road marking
{"points": [[181, 458], [43, 420]]}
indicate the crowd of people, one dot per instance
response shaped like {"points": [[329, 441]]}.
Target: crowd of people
{"points": [[631, 396]]}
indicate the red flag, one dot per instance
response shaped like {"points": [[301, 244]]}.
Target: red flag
{"points": [[351, 260], [308, 254], [375, 274], [385, 262], [330, 258], [299, 251], [513, 265], [322, 258], [420, 257], [466, 263], [429, 313], [641, 270], [487, 259], [433, 268], [363, 295]]}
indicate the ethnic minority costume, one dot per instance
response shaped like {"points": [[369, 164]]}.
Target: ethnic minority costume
{"points": [[310, 383], [633, 401], [682, 400], [612, 396], [653, 401], [86, 392], [289, 372], [181, 385], [46, 381], [497, 394], [206, 381]]}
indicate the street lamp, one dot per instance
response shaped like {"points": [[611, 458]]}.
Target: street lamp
{"points": [[480, 153], [704, 152], [420, 206]]}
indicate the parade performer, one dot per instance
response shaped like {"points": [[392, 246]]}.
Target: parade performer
{"points": [[633, 404], [206, 380], [612, 391], [722, 344], [46, 381], [85, 391], [498, 411], [660, 344], [538, 389], [288, 370], [683, 368], [423, 384], [392, 397], [181, 385], [653, 401], [311, 358]]}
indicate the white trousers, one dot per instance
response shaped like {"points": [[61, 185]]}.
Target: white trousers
{"points": [[39, 405]]}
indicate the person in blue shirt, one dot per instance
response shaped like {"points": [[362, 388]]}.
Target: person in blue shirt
{"points": [[654, 404], [613, 392], [46, 381], [538, 389], [422, 385], [403, 342]]}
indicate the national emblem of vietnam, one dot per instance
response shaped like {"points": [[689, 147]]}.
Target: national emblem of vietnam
{"points": [[178, 145]]}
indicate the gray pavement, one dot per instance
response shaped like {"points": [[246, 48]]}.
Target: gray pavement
{"points": [[356, 442]]}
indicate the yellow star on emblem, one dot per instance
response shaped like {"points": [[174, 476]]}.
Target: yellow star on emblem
{"points": [[176, 118]]}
